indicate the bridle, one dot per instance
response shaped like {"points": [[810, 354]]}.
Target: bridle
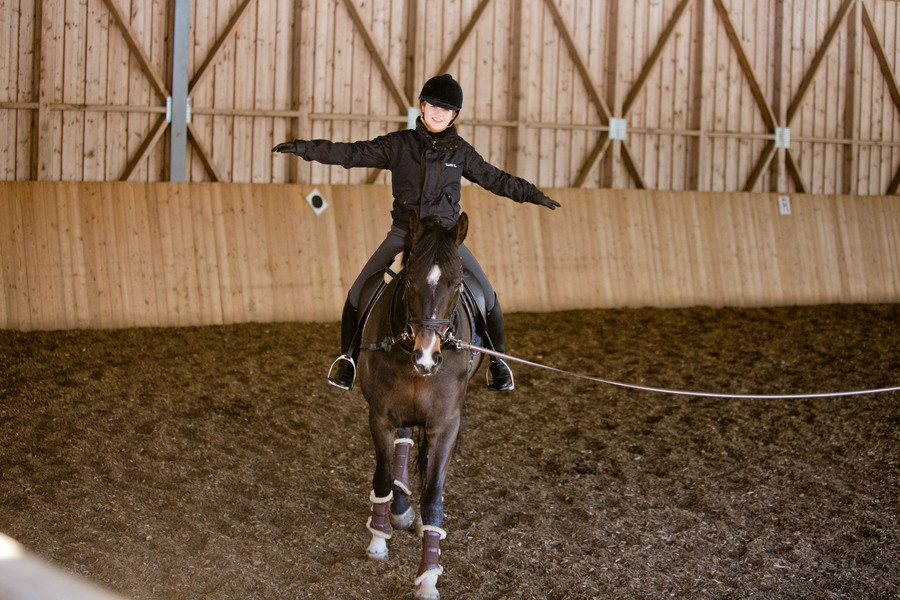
{"points": [[444, 328]]}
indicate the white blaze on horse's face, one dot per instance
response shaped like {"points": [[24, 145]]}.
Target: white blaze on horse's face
{"points": [[427, 347], [434, 276]]}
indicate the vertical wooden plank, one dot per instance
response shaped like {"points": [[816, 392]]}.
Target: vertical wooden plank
{"points": [[134, 253], [242, 131], [175, 259], [68, 303], [206, 243], [12, 245], [263, 90], [115, 139], [95, 74], [225, 206], [48, 284], [283, 81], [202, 37], [8, 72], [49, 143]]}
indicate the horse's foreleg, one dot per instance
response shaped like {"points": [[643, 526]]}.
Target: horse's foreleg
{"points": [[440, 449], [379, 526], [379, 522], [402, 514]]}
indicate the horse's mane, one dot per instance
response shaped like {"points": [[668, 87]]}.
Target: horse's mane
{"points": [[435, 245]]}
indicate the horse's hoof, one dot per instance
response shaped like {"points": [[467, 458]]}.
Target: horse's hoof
{"points": [[377, 549], [426, 586], [379, 556], [403, 521]]}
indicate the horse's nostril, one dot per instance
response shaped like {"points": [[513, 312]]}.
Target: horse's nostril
{"points": [[437, 358]]}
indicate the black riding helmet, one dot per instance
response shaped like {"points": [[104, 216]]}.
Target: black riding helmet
{"points": [[442, 91]]}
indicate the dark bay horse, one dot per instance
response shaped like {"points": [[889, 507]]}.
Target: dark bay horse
{"points": [[413, 376]]}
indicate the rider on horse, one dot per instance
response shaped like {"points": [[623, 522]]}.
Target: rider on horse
{"points": [[426, 164]]}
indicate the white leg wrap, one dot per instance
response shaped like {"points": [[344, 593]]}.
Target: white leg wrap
{"points": [[426, 584], [404, 441]]}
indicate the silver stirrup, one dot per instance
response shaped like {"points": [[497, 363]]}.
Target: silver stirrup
{"points": [[512, 380], [332, 382]]}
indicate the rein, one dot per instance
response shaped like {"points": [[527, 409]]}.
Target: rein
{"points": [[463, 345]]}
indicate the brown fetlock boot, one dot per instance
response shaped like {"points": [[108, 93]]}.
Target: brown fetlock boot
{"points": [[379, 526], [429, 567], [400, 470]]}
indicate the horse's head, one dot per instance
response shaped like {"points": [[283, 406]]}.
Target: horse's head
{"points": [[432, 276]]}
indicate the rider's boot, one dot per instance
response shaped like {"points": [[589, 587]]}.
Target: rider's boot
{"points": [[499, 376], [342, 373]]}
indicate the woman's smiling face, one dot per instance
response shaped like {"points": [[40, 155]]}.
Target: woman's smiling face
{"points": [[436, 119]]}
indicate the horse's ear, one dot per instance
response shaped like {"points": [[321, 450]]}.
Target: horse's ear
{"points": [[461, 228]]}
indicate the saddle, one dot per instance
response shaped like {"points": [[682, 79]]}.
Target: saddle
{"points": [[379, 288]]}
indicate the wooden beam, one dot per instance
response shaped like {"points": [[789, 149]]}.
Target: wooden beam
{"points": [[603, 110], [698, 147], [461, 40], [781, 52], [806, 82], [894, 187], [632, 168], [516, 96], [880, 55], [38, 93], [767, 114], [200, 74], [202, 154], [412, 33], [661, 44], [794, 171], [598, 151], [580, 65], [761, 164], [850, 152], [610, 172], [403, 103], [136, 48], [213, 54], [146, 146]]}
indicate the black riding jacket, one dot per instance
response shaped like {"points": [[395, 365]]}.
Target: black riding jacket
{"points": [[426, 170]]}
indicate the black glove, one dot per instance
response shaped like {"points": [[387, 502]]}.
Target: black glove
{"points": [[548, 202], [288, 147]]}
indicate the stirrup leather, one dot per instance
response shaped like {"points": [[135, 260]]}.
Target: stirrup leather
{"points": [[331, 372]]}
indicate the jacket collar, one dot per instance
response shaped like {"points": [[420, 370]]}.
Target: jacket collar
{"points": [[445, 140]]}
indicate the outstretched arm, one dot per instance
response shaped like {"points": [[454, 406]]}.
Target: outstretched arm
{"points": [[502, 183], [372, 153]]}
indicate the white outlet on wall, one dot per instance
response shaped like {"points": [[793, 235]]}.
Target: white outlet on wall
{"points": [[784, 205]]}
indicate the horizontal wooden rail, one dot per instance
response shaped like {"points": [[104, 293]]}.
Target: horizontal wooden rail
{"points": [[108, 255]]}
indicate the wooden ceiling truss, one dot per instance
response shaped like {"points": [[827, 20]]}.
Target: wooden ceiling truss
{"points": [[404, 95]]}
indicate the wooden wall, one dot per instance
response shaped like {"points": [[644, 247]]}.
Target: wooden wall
{"points": [[109, 255], [704, 86]]}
